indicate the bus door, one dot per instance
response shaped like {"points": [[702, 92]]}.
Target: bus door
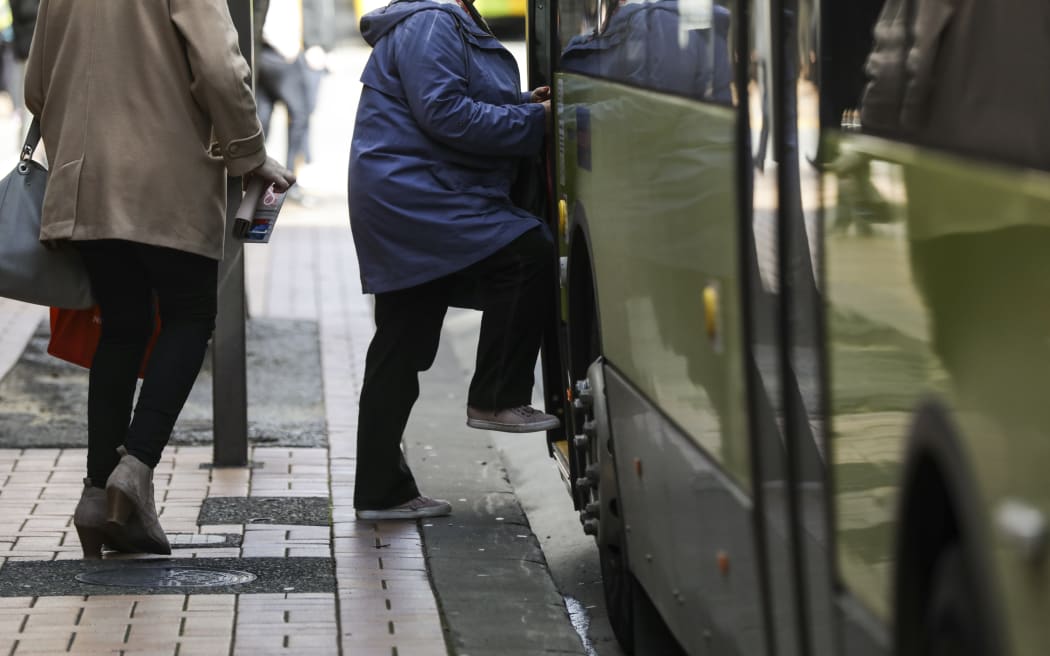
{"points": [[781, 258]]}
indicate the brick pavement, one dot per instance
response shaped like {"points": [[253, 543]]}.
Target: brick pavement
{"points": [[383, 603]]}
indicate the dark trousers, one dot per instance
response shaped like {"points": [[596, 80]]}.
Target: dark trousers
{"points": [[125, 278], [278, 80], [513, 288]]}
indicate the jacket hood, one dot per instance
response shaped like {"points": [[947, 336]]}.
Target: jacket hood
{"points": [[377, 23]]}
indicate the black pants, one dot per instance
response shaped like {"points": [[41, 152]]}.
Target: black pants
{"points": [[124, 278], [513, 288]]}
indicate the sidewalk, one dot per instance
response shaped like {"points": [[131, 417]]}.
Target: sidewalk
{"points": [[324, 582], [379, 600]]}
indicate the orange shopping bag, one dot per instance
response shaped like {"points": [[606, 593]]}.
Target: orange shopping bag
{"points": [[75, 335]]}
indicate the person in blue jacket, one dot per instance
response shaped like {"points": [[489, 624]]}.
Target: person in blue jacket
{"points": [[441, 128]]}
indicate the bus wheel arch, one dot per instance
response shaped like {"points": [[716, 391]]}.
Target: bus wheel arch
{"points": [[603, 513], [940, 577], [585, 344], [583, 347]]}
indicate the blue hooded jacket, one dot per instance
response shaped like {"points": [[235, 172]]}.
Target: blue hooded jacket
{"points": [[441, 127]]}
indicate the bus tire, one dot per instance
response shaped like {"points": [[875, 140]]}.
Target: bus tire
{"points": [[620, 590], [585, 361], [943, 601], [618, 584], [953, 622]]}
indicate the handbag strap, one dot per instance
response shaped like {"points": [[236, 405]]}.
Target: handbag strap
{"points": [[32, 139]]}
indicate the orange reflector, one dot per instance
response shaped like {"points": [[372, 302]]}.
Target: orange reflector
{"points": [[568, 394], [638, 467], [723, 562], [563, 219], [711, 310]]}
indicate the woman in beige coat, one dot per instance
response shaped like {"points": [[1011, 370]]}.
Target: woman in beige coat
{"points": [[144, 107]]}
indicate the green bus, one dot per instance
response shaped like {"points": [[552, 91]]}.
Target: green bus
{"points": [[497, 12], [803, 340]]}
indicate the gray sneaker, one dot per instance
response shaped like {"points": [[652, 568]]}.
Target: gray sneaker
{"points": [[523, 419], [417, 508]]}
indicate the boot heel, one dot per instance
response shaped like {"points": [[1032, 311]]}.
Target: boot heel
{"points": [[91, 540], [118, 506]]}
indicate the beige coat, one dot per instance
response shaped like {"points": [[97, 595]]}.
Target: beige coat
{"points": [[131, 97]]}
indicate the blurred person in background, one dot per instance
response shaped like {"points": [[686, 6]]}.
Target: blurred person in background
{"points": [[7, 37], [291, 60], [319, 39], [145, 108], [23, 21]]}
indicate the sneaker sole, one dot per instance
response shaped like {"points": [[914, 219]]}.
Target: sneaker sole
{"points": [[537, 427], [422, 513]]}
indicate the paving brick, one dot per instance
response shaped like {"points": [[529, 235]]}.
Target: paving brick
{"points": [[54, 618], [46, 524], [204, 646], [43, 645]]}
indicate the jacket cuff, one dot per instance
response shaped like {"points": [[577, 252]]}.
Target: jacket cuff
{"points": [[244, 155]]}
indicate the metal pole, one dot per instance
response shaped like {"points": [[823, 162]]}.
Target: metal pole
{"points": [[229, 349]]}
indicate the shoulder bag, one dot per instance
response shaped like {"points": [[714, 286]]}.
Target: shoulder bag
{"points": [[29, 271]]}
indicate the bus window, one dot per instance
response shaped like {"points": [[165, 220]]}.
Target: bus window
{"points": [[674, 46]]}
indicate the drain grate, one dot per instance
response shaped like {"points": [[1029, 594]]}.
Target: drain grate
{"points": [[166, 577]]}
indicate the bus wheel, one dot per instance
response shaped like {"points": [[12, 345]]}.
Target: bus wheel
{"points": [[619, 587], [953, 622], [603, 513]]}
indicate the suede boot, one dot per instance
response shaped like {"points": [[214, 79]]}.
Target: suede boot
{"points": [[129, 497], [90, 522]]}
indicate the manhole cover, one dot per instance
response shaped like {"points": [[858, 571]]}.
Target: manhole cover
{"points": [[166, 577]]}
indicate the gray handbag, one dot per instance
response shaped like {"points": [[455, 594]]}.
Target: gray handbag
{"points": [[30, 272]]}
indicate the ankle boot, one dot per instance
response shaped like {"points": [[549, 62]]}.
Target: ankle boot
{"points": [[130, 505], [90, 520]]}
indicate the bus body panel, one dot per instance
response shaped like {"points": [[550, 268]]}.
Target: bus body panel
{"points": [[660, 237], [688, 529], [934, 304], [928, 288]]}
